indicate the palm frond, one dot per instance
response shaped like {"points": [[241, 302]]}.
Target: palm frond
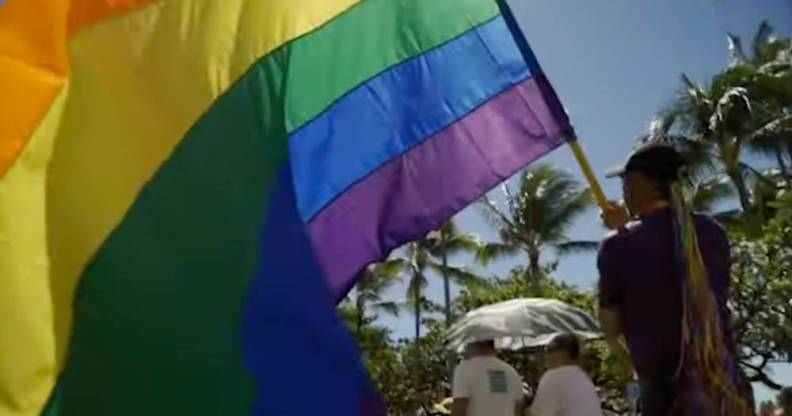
{"points": [[772, 135], [390, 307], [731, 219], [417, 279], [347, 312], [391, 268], [509, 195], [489, 215], [491, 252], [573, 247], [731, 77], [379, 277], [692, 107], [688, 83], [711, 192], [426, 305], [734, 99], [660, 126], [464, 243], [498, 218], [736, 52], [570, 208], [771, 87], [760, 39], [761, 178], [459, 275], [777, 52], [545, 192]]}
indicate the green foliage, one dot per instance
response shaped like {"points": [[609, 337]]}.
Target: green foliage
{"points": [[366, 302], [404, 383], [760, 299], [430, 372], [500, 290], [784, 205]]}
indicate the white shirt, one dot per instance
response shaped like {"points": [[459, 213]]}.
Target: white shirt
{"points": [[566, 391], [492, 387]]}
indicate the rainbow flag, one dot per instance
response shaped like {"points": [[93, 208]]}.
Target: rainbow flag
{"points": [[189, 186]]}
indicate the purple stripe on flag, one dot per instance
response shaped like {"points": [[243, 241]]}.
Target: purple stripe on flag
{"points": [[417, 191]]}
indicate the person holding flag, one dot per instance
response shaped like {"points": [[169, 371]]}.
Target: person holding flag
{"points": [[664, 282]]}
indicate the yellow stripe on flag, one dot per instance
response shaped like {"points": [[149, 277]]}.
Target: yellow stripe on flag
{"points": [[27, 353]]}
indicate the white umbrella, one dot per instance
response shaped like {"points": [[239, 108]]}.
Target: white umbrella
{"points": [[522, 323]]}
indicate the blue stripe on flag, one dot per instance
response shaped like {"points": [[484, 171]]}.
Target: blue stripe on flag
{"points": [[400, 108], [301, 355]]}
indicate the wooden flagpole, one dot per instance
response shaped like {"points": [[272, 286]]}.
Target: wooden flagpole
{"points": [[594, 185]]}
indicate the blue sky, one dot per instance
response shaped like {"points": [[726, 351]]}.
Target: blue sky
{"points": [[614, 63]]}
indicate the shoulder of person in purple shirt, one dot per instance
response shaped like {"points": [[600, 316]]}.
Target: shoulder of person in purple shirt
{"points": [[641, 271]]}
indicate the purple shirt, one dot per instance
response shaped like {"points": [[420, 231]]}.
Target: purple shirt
{"points": [[640, 274]]}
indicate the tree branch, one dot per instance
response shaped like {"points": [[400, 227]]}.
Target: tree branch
{"points": [[763, 378], [760, 376], [494, 209]]}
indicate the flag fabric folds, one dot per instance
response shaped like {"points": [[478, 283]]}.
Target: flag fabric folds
{"points": [[189, 186]]}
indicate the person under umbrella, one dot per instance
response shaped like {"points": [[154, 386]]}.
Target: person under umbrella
{"points": [[565, 389], [484, 385]]}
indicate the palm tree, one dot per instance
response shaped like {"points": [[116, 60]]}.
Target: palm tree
{"points": [[372, 283], [713, 120], [771, 58], [431, 253], [449, 241], [538, 217], [744, 107]]}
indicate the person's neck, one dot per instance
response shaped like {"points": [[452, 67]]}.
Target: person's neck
{"points": [[564, 364], [653, 206]]}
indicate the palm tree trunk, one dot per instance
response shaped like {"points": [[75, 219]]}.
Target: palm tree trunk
{"points": [[534, 275], [742, 189], [447, 296], [446, 279], [730, 157], [417, 364], [779, 154]]}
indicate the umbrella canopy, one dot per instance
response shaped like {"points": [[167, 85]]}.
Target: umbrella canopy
{"points": [[522, 323]]}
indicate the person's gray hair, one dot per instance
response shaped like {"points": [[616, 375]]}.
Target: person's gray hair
{"points": [[568, 343]]}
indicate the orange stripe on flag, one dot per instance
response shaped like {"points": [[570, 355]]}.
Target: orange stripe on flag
{"points": [[34, 61], [32, 69], [85, 12]]}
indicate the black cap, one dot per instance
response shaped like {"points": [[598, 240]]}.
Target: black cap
{"points": [[658, 161]]}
